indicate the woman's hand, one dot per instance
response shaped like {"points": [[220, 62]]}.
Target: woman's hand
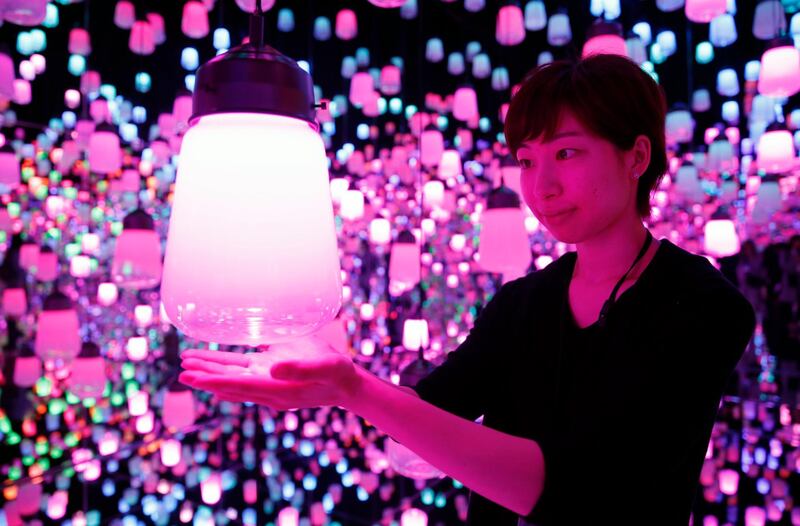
{"points": [[306, 372]]}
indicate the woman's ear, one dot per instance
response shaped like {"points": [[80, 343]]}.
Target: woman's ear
{"points": [[640, 156]]}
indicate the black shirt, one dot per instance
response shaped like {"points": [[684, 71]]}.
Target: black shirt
{"points": [[625, 436]]}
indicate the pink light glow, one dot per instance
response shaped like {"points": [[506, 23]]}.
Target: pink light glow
{"points": [[178, 410], [170, 452], [264, 266], [346, 24], [27, 370], [289, 516], [137, 259], [124, 14], [504, 245], [136, 348], [87, 378], [145, 423], [414, 517], [250, 491], [15, 302], [47, 266], [776, 151], [728, 481], [703, 11], [107, 294], [721, 239], [194, 22], [104, 152], [138, 403], [605, 44], [465, 103], [510, 26], [211, 489], [779, 75], [57, 336]]}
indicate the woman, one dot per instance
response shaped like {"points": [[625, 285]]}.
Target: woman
{"points": [[599, 376]]}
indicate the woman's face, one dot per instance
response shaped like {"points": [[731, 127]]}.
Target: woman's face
{"points": [[576, 184]]}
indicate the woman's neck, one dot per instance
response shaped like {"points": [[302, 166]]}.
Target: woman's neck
{"points": [[606, 257]]}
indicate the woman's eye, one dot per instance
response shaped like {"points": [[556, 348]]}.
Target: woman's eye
{"points": [[565, 153], [524, 163]]}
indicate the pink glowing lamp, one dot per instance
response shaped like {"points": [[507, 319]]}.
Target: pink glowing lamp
{"points": [[251, 254], [137, 254]]}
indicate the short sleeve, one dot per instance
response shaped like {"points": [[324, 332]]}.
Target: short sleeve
{"points": [[463, 383]]}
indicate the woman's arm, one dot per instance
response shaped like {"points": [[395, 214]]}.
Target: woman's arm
{"points": [[506, 469]]}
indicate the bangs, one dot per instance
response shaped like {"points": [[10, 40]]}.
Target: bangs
{"points": [[536, 108]]}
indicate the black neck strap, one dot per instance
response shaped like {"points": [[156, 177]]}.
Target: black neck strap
{"points": [[612, 298]]}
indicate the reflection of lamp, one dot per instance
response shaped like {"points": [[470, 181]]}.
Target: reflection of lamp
{"points": [[137, 254], [720, 237], [775, 149], [57, 336], [251, 253], [178, 408], [27, 368], [604, 37], [503, 244], [779, 75], [9, 169], [88, 377]]}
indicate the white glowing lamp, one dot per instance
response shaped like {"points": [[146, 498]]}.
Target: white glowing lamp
{"points": [[87, 377], [703, 11], [776, 150], [503, 243], [57, 335], [414, 517], [178, 409], [720, 237], [9, 169], [604, 37], [728, 481], [779, 75], [251, 254], [415, 334], [137, 253], [170, 452], [404, 265], [289, 516]]}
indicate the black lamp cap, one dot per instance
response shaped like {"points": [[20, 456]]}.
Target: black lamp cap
{"points": [[721, 213], [782, 41], [89, 350], [176, 387], [502, 197], [247, 79], [46, 250], [405, 237], [138, 220], [105, 127], [7, 148], [776, 126], [25, 352], [603, 27], [431, 127], [415, 371], [57, 300]]}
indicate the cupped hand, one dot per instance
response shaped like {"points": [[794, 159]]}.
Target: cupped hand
{"points": [[306, 372]]}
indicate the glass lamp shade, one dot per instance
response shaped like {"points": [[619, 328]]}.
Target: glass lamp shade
{"points": [[414, 517], [194, 23], [137, 254], [779, 75], [28, 255], [289, 516], [7, 76], [27, 369], [272, 271], [87, 378], [105, 155], [776, 150], [703, 11], [768, 202], [559, 32], [510, 25], [722, 30], [415, 334], [80, 42], [535, 15], [404, 261], [503, 242], [178, 408], [9, 169], [679, 126], [157, 25], [171, 452], [142, 39], [124, 14], [465, 103], [15, 302], [450, 164], [431, 146], [380, 231], [769, 19], [604, 38], [728, 481], [57, 336], [387, 4], [408, 463], [29, 499], [361, 86], [211, 489], [346, 27], [721, 239], [25, 12], [390, 80], [47, 265], [727, 82]]}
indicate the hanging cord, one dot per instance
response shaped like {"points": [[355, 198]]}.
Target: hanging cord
{"points": [[257, 26]]}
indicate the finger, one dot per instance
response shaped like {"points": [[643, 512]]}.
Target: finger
{"points": [[221, 357], [189, 377], [196, 364]]}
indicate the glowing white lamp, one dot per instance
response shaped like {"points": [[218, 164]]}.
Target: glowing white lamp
{"points": [[251, 254]]}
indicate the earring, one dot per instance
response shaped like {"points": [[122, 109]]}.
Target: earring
{"points": [[635, 175]]}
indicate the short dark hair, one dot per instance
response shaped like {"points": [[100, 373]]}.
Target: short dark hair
{"points": [[609, 94]]}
